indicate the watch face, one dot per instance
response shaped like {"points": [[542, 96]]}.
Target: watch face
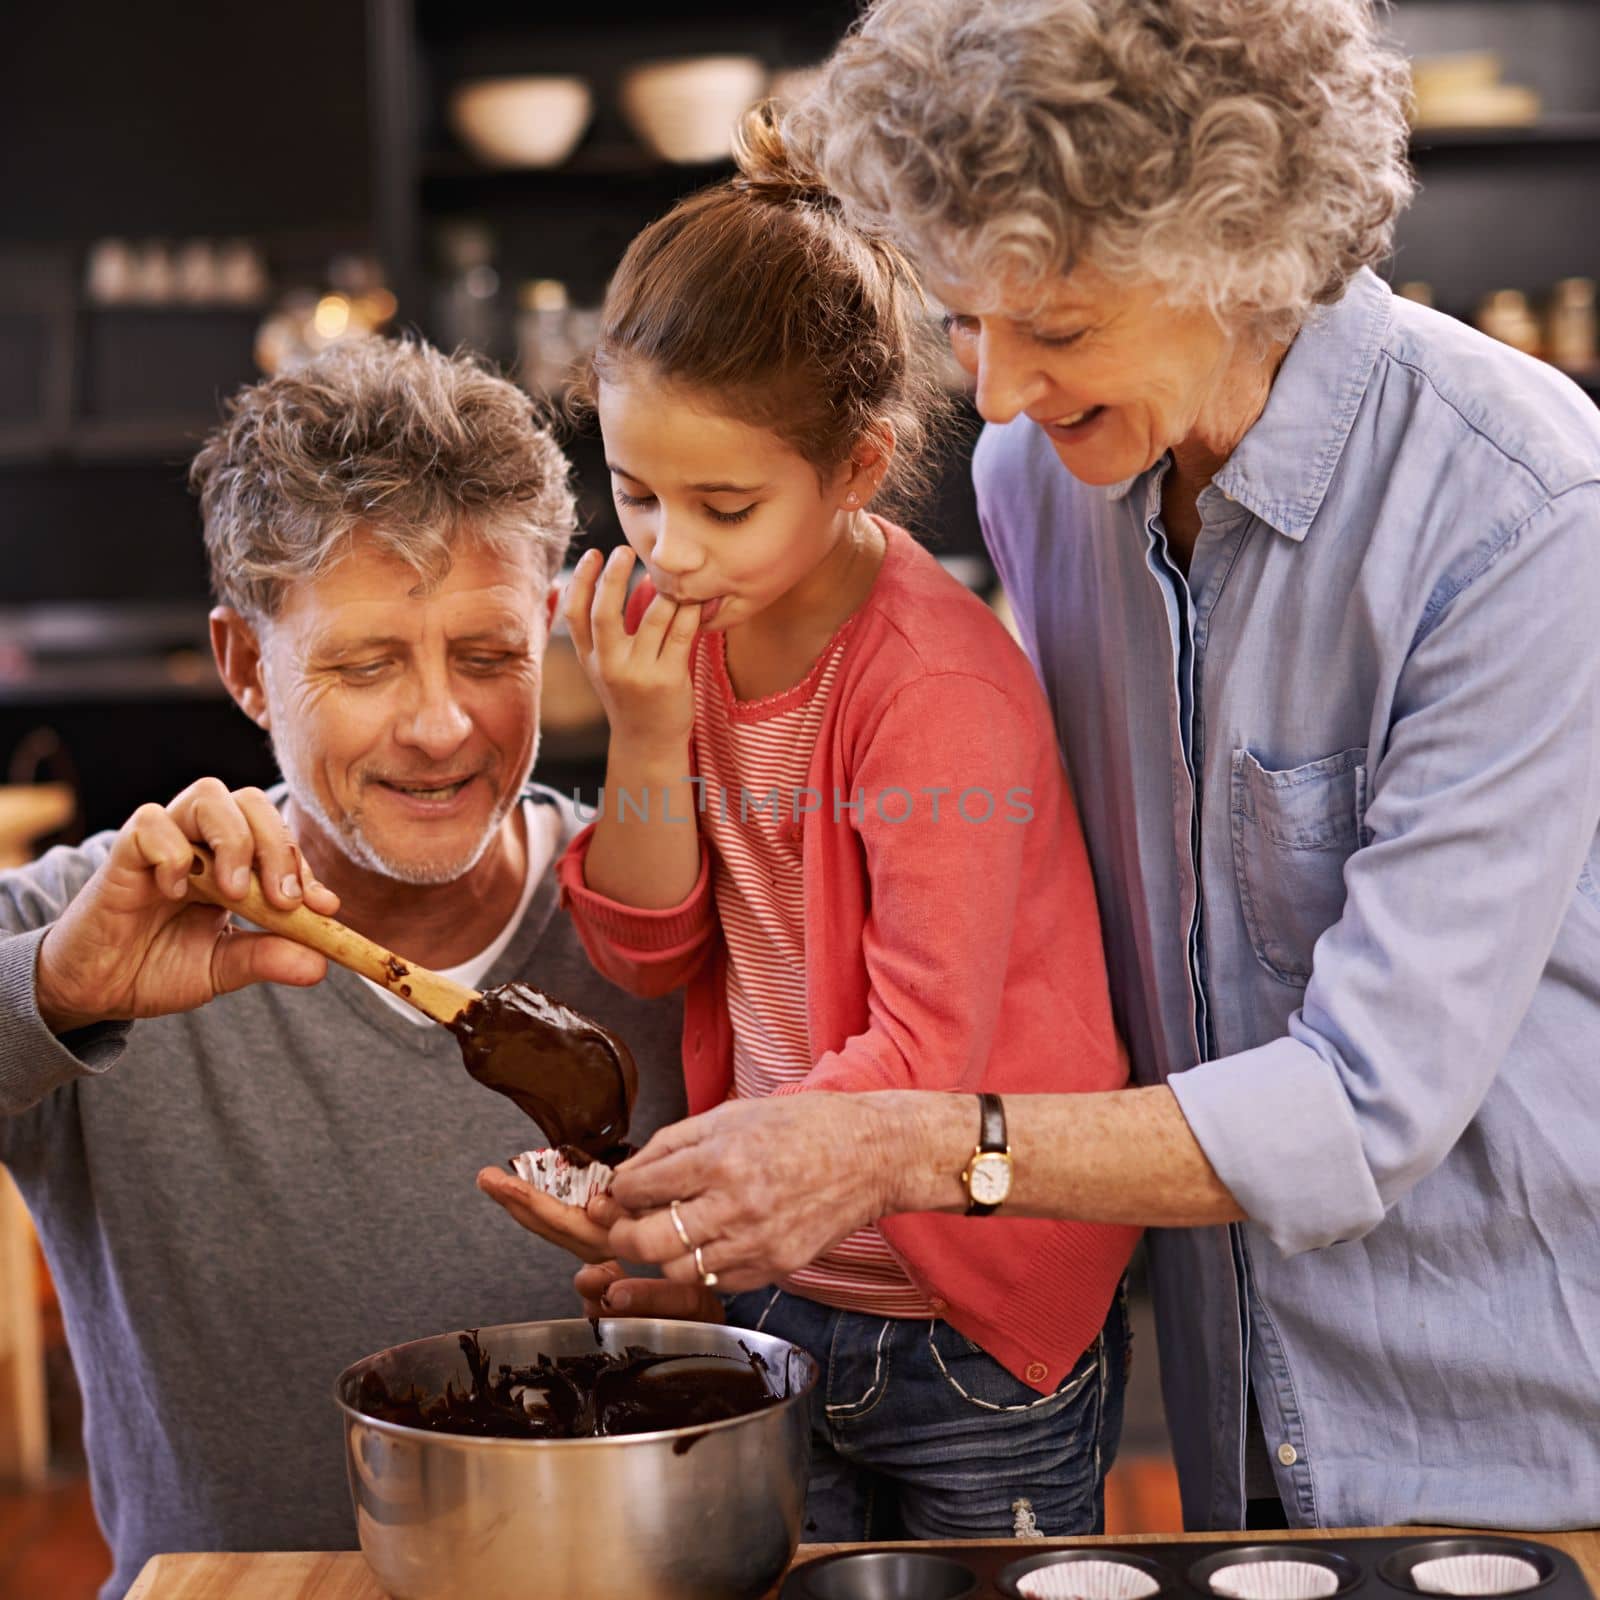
{"points": [[991, 1178]]}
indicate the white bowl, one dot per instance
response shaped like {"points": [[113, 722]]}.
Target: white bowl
{"points": [[685, 111], [522, 122]]}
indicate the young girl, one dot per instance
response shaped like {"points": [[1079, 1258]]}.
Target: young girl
{"points": [[835, 812]]}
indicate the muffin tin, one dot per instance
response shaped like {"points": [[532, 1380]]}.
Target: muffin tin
{"points": [[1303, 1569]]}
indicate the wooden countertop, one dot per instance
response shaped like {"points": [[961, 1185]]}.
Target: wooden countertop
{"points": [[343, 1575]]}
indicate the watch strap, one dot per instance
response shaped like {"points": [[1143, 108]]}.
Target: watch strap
{"points": [[991, 1123], [991, 1141]]}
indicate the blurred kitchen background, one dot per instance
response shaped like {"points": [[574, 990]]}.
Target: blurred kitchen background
{"points": [[192, 195]]}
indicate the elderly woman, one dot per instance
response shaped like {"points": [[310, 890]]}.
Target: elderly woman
{"points": [[1311, 576]]}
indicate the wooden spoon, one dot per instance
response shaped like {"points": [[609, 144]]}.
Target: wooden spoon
{"points": [[574, 1078], [434, 996]]}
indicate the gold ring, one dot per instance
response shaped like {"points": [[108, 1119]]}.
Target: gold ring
{"points": [[677, 1222], [709, 1279]]}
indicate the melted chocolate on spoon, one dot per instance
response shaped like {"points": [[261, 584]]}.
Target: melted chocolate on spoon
{"points": [[575, 1079], [578, 1397]]}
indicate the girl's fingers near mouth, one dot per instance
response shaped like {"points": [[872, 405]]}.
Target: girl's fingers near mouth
{"points": [[685, 624], [658, 620], [610, 596]]}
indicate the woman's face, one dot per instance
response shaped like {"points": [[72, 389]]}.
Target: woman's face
{"points": [[1113, 374]]}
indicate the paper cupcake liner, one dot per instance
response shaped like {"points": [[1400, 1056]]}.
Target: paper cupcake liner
{"points": [[1087, 1580], [1274, 1580], [1475, 1575], [551, 1173]]}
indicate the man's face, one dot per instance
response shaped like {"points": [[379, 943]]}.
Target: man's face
{"points": [[405, 722]]}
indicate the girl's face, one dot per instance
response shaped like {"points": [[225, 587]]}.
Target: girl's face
{"points": [[719, 512]]}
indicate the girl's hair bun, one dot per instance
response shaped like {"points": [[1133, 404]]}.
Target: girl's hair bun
{"points": [[768, 168], [759, 294]]}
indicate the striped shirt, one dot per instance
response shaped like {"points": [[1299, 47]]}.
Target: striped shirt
{"points": [[754, 756]]}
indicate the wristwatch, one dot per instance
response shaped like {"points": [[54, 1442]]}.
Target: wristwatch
{"points": [[987, 1178]]}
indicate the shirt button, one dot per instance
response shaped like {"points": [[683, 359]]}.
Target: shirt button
{"points": [[1288, 1455], [1036, 1372], [941, 1306]]}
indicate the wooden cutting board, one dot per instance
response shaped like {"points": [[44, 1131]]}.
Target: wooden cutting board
{"points": [[343, 1575]]}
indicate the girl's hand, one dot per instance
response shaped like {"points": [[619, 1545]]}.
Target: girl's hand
{"points": [[642, 679], [607, 1291]]}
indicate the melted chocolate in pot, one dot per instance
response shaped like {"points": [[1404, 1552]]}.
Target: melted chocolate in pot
{"points": [[575, 1079], [579, 1397]]}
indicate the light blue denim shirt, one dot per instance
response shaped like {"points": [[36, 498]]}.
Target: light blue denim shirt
{"points": [[1342, 792]]}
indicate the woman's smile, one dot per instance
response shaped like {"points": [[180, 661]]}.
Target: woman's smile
{"points": [[1075, 425]]}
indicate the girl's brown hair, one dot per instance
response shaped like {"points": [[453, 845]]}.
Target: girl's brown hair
{"points": [[759, 293]]}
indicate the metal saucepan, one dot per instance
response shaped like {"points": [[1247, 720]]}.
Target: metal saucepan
{"points": [[704, 1513]]}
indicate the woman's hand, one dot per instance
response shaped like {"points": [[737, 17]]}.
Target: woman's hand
{"points": [[643, 678], [561, 1224], [764, 1187], [133, 944]]}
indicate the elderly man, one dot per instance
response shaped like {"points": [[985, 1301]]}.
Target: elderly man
{"points": [[253, 1185]]}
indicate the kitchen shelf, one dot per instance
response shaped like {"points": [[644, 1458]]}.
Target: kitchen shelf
{"points": [[1570, 128], [113, 681], [25, 443], [597, 160], [625, 160], [156, 441]]}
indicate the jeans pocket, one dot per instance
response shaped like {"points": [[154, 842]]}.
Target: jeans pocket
{"points": [[1293, 831], [750, 1308], [978, 1379], [860, 1356]]}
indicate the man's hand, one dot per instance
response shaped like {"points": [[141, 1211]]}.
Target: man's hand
{"points": [[643, 678], [764, 1186], [133, 944]]}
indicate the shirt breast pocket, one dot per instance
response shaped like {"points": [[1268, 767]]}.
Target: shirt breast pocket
{"points": [[1293, 831]]}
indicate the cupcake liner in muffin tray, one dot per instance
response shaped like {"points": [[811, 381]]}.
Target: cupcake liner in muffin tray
{"points": [[1304, 1569]]}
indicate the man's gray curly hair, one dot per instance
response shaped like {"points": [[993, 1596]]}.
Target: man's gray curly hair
{"points": [[419, 447], [1246, 155]]}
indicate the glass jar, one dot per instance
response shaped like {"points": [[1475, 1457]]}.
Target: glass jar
{"points": [[545, 347], [1506, 315], [1570, 333]]}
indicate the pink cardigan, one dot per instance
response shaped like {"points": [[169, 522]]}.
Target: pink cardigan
{"points": [[945, 954]]}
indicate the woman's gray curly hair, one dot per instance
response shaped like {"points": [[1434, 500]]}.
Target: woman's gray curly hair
{"points": [[1246, 155], [421, 448]]}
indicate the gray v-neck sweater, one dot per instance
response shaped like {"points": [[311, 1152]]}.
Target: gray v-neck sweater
{"points": [[239, 1201]]}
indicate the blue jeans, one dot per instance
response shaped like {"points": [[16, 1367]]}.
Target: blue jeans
{"points": [[918, 1434]]}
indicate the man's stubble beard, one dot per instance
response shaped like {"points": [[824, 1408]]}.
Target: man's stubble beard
{"points": [[349, 837]]}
